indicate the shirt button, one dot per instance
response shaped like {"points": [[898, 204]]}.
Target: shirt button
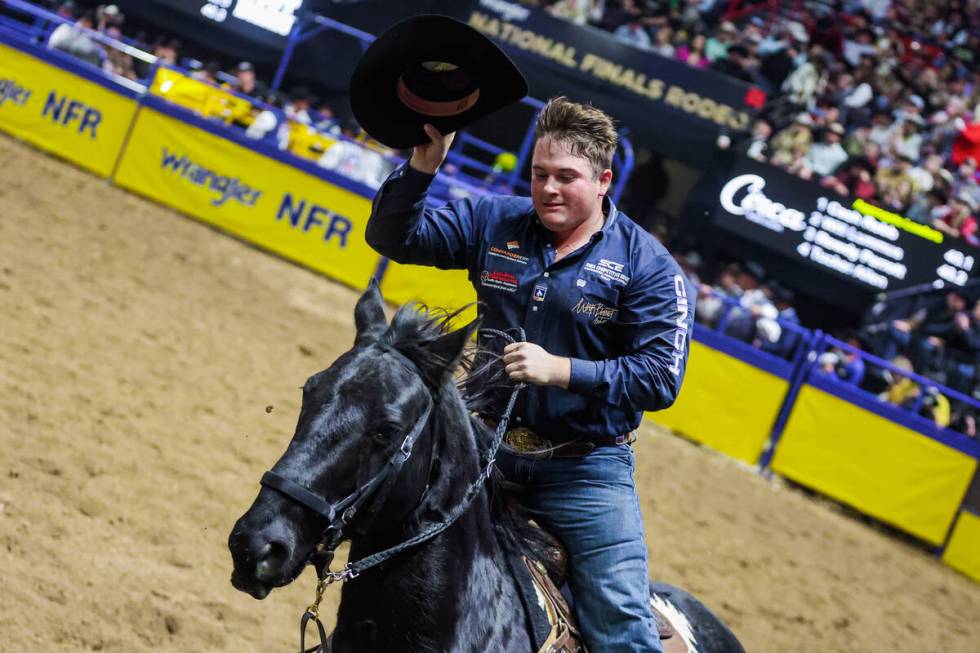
{"points": [[517, 419], [547, 274], [534, 308]]}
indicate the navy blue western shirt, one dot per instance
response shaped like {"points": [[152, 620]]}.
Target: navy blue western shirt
{"points": [[619, 307]]}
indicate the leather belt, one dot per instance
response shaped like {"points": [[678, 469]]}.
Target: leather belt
{"points": [[525, 442]]}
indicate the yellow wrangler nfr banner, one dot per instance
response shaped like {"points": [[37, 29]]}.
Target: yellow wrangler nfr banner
{"points": [[267, 202], [74, 118], [882, 468]]}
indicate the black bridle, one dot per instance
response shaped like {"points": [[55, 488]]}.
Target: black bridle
{"points": [[339, 514]]}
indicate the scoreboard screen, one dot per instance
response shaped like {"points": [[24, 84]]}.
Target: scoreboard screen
{"points": [[858, 242], [267, 21]]}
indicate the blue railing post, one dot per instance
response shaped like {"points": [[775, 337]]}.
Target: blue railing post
{"points": [[522, 155], [804, 362], [287, 54]]}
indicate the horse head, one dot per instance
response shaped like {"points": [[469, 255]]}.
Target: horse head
{"points": [[349, 471]]}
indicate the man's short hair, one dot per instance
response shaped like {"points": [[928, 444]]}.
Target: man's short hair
{"points": [[587, 131]]}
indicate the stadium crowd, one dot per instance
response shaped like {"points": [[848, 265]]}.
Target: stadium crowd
{"points": [[877, 99]]}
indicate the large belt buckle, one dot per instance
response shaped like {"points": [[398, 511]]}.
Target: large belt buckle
{"points": [[526, 442]]}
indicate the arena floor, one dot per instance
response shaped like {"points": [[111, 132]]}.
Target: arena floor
{"points": [[149, 373]]}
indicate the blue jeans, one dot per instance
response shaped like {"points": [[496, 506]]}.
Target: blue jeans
{"points": [[590, 505]]}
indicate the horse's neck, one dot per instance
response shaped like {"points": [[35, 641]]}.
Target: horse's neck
{"points": [[452, 593]]}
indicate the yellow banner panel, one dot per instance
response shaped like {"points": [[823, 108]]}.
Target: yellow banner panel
{"points": [[62, 113], [449, 289], [881, 468], [734, 418], [264, 201], [963, 551]]}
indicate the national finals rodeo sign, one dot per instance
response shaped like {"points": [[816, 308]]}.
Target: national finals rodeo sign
{"points": [[599, 59]]}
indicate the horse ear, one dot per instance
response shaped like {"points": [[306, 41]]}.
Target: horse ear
{"points": [[448, 349], [369, 314]]}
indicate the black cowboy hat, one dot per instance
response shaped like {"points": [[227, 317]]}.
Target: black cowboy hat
{"points": [[430, 69]]}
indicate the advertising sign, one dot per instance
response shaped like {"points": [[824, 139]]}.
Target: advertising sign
{"points": [[855, 240], [267, 202], [74, 118], [597, 58]]}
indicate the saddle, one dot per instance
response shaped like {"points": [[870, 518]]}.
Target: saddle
{"points": [[552, 624]]}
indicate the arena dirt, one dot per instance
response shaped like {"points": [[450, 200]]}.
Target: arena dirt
{"points": [[140, 353]]}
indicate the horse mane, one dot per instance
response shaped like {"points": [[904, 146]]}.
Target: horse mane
{"points": [[413, 328]]}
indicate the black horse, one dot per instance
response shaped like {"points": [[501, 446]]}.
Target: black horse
{"points": [[385, 455]]}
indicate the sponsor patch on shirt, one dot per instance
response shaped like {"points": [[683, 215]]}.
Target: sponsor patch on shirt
{"points": [[539, 292], [599, 312], [507, 254], [499, 280], [608, 271], [513, 244]]}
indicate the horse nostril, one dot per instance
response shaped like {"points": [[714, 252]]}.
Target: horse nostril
{"points": [[270, 560]]}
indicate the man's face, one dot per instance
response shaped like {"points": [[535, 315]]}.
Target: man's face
{"points": [[246, 78], [564, 187]]}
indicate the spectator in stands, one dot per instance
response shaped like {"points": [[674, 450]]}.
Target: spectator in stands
{"points": [[901, 389], [711, 299], [109, 16], [906, 141], [663, 42], [300, 106], [270, 124], [934, 406], [68, 10], [753, 321], [858, 45], [167, 50], [960, 220], [355, 160], [693, 54], [579, 12], [843, 364], [824, 157], [75, 40], [927, 207], [792, 143], [807, 79], [931, 332], [964, 420], [208, 73], [758, 145], [788, 339], [895, 183], [854, 178], [635, 34], [964, 351], [247, 83], [716, 46], [734, 63], [326, 120]]}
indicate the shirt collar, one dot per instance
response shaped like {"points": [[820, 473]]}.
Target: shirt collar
{"points": [[608, 208]]}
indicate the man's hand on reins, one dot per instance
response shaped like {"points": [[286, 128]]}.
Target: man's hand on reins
{"points": [[429, 156], [528, 362]]}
